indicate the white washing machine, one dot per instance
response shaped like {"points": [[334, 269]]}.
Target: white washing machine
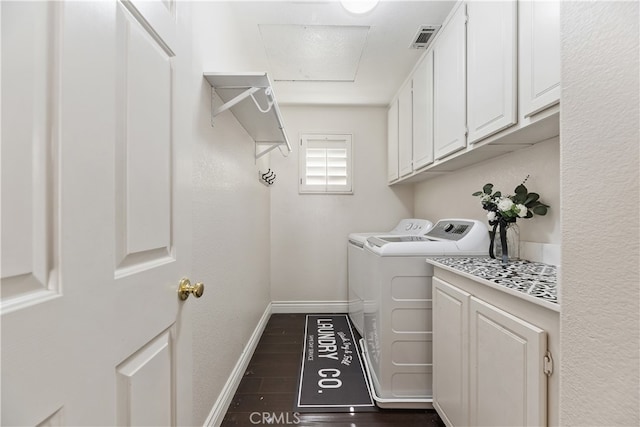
{"points": [[355, 261], [397, 338]]}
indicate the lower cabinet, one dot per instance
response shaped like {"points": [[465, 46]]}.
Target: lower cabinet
{"points": [[451, 353], [488, 364]]}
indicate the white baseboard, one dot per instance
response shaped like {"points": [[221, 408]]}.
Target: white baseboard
{"points": [[217, 413], [309, 306]]}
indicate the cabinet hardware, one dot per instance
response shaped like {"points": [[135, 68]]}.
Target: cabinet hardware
{"points": [[548, 364]]}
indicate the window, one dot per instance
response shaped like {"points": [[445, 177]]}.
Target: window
{"points": [[325, 164]]}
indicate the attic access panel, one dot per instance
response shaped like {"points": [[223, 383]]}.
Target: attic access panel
{"points": [[314, 52]]}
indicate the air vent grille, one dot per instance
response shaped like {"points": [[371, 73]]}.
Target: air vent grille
{"points": [[424, 36]]}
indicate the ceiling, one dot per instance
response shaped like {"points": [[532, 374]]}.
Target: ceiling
{"points": [[318, 53]]}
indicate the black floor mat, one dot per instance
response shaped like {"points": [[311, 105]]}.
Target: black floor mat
{"points": [[331, 375]]}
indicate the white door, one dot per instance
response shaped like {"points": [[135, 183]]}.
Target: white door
{"points": [[449, 83], [491, 67], [95, 214], [507, 384], [423, 113]]}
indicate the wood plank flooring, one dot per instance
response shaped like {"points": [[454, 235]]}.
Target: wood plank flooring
{"points": [[269, 387]]}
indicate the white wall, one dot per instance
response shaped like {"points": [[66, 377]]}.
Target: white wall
{"points": [[309, 232], [230, 218], [450, 195], [599, 369]]}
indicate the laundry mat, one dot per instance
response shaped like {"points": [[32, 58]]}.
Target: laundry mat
{"points": [[332, 377]]}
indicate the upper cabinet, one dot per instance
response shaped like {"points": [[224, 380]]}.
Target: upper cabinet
{"points": [[495, 88], [392, 142], [405, 130], [450, 86], [423, 113], [539, 56], [491, 67]]}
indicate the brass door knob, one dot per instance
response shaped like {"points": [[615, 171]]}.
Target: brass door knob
{"points": [[185, 288]]}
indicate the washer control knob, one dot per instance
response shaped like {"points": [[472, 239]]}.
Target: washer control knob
{"points": [[448, 227]]}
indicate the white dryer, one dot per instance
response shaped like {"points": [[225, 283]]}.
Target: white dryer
{"points": [[397, 336], [355, 261]]}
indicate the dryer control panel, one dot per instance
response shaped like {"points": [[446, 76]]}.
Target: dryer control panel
{"points": [[450, 229]]}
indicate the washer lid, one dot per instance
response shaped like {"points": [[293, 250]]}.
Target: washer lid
{"points": [[383, 240]]}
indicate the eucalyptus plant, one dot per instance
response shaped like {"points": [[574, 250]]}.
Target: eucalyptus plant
{"points": [[522, 204]]}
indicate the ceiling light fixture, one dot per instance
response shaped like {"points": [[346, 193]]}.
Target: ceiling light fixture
{"points": [[359, 6]]}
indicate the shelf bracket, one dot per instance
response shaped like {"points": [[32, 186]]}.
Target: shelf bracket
{"points": [[272, 146], [224, 107]]}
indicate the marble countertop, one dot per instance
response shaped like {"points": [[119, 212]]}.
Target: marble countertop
{"points": [[533, 281]]}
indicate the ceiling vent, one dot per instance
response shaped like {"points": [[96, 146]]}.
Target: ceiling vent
{"points": [[424, 36]]}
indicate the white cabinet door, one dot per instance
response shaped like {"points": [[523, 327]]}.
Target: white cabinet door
{"points": [[96, 174], [507, 383], [405, 130], [392, 142], [423, 113], [491, 67], [449, 72], [451, 353], [539, 55]]}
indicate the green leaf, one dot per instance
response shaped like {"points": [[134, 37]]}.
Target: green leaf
{"points": [[487, 189], [529, 214], [540, 209], [521, 189], [478, 193], [497, 194], [518, 198], [531, 197]]}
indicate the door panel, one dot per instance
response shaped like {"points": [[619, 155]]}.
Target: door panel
{"points": [[30, 287], [144, 388], [423, 113], [539, 55], [492, 59], [392, 142], [405, 130], [143, 165], [507, 383], [451, 353], [449, 82], [28, 157]]}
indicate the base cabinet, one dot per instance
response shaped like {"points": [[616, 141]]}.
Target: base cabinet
{"points": [[451, 353], [488, 363]]}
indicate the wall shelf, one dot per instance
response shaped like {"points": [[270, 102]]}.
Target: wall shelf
{"points": [[250, 98]]}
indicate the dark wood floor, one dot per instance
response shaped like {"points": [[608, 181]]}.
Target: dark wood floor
{"points": [[270, 383]]}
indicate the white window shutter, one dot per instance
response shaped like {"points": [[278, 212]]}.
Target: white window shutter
{"points": [[326, 164]]}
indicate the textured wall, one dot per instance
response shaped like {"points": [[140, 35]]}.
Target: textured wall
{"points": [[309, 231], [230, 219], [600, 234], [450, 195]]}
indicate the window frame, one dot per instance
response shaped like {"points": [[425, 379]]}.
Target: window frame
{"points": [[341, 140]]}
